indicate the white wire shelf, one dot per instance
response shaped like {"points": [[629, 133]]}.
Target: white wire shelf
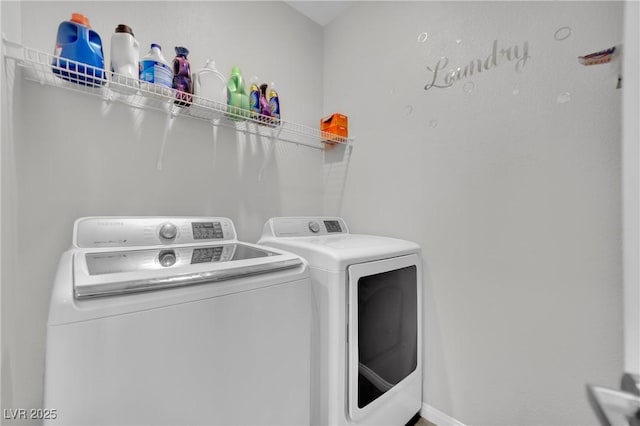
{"points": [[49, 70]]}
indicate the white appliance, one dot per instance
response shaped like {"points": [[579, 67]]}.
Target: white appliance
{"points": [[173, 321], [367, 344]]}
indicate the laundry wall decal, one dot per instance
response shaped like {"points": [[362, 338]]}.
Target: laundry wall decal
{"points": [[442, 76]]}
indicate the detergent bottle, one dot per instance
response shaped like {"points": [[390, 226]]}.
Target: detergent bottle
{"points": [[125, 60], [237, 98], [274, 103], [182, 77], [265, 108], [254, 98], [156, 72], [209, 85], [78, 55]]}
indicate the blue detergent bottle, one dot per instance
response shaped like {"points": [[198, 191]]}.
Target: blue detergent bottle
{"points": [[274, 103], [254, 98], [78, 56]]}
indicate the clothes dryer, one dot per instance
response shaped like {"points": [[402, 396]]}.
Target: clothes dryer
{"points": [[367, 332], [173, 321]]}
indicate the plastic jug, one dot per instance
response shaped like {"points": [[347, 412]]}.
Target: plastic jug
{"points": [[182, 77], [274, 102], [237, 98], [254, 98], [77, 45], [125, 60], [209, 85], [265, 108], [156, 74]]}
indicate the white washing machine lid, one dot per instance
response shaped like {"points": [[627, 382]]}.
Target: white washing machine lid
{"points": [[113, 272], [330, 249]]}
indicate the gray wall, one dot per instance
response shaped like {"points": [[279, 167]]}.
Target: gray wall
{"points": [[511, 186], [509, 179]]}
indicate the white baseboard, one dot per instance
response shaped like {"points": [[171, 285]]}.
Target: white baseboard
{"points": [[437, 417]]}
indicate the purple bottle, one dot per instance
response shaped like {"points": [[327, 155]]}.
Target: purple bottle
{"points": [[265, 107], [182, 77]]}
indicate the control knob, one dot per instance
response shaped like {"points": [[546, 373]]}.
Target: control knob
{"points": [[168, 231], [167, 258], [314, 226]]}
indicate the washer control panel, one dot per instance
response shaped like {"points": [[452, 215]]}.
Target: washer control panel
{"points": [[135, 260], [150, 231], [305, 226]]}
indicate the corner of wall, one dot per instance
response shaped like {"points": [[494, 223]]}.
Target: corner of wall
{"points": [[437, 417], [11, 28], [631, 186]]}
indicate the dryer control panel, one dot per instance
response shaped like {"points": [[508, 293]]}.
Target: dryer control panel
{"points": [[94, 232], [305, 226]]}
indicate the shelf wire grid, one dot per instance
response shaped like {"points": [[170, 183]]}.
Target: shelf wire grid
{"points": [[51, 70]]}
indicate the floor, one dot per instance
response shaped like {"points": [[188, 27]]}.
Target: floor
{"points": [[424, 422]]}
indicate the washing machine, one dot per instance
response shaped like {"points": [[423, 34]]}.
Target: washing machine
{"points": [[367, 304], [173, 321]]}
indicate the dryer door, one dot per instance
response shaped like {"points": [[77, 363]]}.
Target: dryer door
{"points": [[384, 331]]}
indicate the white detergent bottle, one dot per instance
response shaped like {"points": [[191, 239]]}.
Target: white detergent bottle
{"points": [[125, 57], [156, 75], [210, 85]]}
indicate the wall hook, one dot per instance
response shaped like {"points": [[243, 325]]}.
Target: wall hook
{"points": [[611, 54]]}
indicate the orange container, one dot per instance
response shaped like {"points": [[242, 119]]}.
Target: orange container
{"points": [[336, 124], [337, 130]]}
